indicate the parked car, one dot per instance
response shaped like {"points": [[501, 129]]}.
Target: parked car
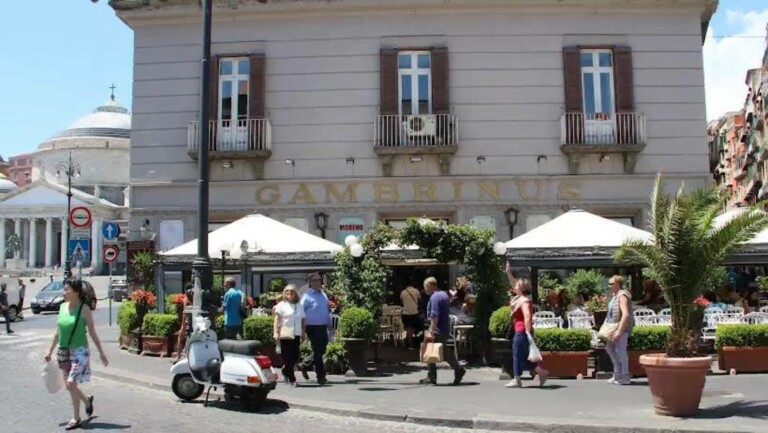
{"points": [[51, 297], [118, 289], [13, 300]]}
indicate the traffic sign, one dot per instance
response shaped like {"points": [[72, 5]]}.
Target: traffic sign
{"points": [[110, 253], [80, 233], [110, 230], [80, 250], [80, 216]]}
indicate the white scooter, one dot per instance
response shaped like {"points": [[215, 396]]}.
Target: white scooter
{"points": [[244, 374]]}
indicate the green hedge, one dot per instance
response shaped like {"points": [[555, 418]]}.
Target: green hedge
{"points": [[563, 340], [160, 325], [741, 336], [648, 338], [500, 323], [126, 317], [259, 328], [357, 323], [170, 307]]}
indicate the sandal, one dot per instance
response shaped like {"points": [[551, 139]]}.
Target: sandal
{"points": [[73, 424], [89, 406]]}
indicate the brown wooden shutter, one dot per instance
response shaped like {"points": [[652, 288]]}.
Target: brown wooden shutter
{"points": [[574, 127], [257, 90], [440, 91], [626, 128], [389, 85]]}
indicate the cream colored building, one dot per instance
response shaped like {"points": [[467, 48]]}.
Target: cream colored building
{"points": [[377, 111]]}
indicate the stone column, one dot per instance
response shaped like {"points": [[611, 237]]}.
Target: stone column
{"points": [[25, 240], [17, 232], [64, 246], [2, 242], [48, 242], [32, 243]]}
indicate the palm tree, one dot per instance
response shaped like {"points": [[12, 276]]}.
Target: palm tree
{"points": [[686, 250]]}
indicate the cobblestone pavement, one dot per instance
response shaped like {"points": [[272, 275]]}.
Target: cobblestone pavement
{"points": [[28, 408]]}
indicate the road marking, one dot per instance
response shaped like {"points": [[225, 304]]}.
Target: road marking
{"points": [[20, 340]]}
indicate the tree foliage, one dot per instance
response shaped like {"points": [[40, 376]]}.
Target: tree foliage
{"points": [[686, 249]]}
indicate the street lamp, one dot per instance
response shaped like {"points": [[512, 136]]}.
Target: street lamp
{"points": [[511, 216], [69, 168], [321, 222]]}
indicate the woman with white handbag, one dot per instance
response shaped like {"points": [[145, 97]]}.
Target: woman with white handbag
{"points": [[289, 330], [616, 329], [525, 354]]}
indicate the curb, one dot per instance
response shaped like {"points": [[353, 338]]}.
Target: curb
{"points": [[477, 422]]}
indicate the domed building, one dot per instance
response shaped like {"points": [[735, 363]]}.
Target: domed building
{"points": [[95, 149]]}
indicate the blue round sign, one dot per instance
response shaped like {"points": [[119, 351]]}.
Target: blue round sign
{"points": [[110, 230]]}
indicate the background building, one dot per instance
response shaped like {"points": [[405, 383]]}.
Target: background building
{"points": [[369, 111], [21, 170]]}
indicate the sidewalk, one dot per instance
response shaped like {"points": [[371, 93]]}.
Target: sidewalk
{"points": [[729, 404]]}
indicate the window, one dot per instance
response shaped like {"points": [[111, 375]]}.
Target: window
{"points": [[627, 221], [234, 75], [597, 81], [415, 82], [26, 175]]}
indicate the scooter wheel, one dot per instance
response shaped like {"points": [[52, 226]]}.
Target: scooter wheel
{"points": [[257, 399], [185, 388]]}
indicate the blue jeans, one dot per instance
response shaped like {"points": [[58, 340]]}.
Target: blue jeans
{"points": [[520, 360], [617, 351]]}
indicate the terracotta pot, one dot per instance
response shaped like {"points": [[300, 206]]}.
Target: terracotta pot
{"points": [[154, 345], [676, 383], [635, 369], [125, 341], [565, 364], [135, 343], [743, 359], [358, 361]]}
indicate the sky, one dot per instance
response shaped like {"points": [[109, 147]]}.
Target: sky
{"points": [[61, 56]]}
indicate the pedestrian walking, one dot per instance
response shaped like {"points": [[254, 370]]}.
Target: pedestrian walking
{"points": [[289, 329], [73, 355], [231, 307], [317, 314], [22, 293], [438, 313], [619, 311], [5, 307], [412, 322], [521, 311]]}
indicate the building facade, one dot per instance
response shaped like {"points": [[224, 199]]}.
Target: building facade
{"points": [[370, 111], [21, 169]]}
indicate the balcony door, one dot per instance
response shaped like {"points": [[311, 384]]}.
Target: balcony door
{"points": [[232, 124], [598, 96]]}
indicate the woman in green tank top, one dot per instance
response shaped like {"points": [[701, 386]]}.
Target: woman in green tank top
{"points": [[74, 324]]}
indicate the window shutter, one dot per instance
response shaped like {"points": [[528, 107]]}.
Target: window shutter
{"points": [[257, 89], [574, 126], [440, 91], [389, 85], [622, 70], [213, 88]]}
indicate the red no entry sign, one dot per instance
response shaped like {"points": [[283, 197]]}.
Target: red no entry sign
{"points": [[80, 217], [110, 253]]}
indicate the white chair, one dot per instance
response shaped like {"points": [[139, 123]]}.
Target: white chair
{"points": [[708, 334], [763, 302], [645, 316], [335, 322], [733, 310], [543, 315], [547, 323], [665, 312], [580, 320], [643, 312], [764, 309], [713, 310], [454, 320], [755, 318]]}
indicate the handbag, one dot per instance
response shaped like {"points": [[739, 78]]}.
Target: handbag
{"points": [[534, 354], [62, 355], [607, 330], [431, 353]]}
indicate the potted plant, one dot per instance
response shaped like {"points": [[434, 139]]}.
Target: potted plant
{"points": [[261, 328], [686, 247], [335, 358], [742, 348], [564, 351], [127, 320], [498, 326], [642, 341], [145, 301], [357, 328], [598, 306], [586, 283], [157, 331]]}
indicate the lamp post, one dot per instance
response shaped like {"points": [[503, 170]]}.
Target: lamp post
{"points": [[321, 222], [511, 216], [69, 168]]}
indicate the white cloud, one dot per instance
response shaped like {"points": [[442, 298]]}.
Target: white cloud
{"points": [[727, 60]]}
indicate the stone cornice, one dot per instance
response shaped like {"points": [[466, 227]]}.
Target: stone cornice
{"points": [[154, 12]]}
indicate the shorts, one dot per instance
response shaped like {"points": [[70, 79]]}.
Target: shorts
{"points": [[412, 321], [79, 365]]}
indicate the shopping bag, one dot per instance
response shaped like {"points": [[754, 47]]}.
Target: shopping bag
{"points": [[431, 353], [52, 377], [607, 331], [534, 355]]}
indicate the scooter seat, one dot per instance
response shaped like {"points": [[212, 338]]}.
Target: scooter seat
{"points": [[240, 347]]}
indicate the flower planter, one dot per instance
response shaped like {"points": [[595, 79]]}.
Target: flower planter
{"points": [[125, 341], [743, 359], [635, 369], [156, 346], [599, 318], [135, 342], [502, 355], [565, 364], [358, 361], [676, 383]]}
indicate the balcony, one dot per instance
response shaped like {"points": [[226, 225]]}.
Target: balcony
{"points": [[601, 133], [436, 134], [248, 139]]}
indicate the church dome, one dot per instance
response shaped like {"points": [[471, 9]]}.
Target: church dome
{"points": [[6, 185], [111, 120]]}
